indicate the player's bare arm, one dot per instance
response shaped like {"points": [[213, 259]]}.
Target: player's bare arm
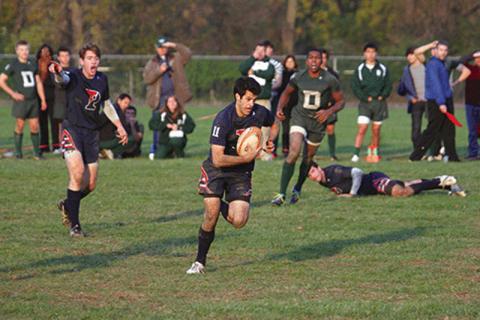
{"points": [[284, 98], [465, 73], [41, 92], [220, 159], [112, 115], [322, 115], [5, 87], [420, 51]]}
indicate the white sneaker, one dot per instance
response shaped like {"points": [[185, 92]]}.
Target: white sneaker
{"points": [[196, 268], [58, 151], [446, 181], [151, 156], [457, 191], [355, 158]]}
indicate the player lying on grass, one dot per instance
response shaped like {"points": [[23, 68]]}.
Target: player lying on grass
{"points": [[225, 172], [349, 182]]}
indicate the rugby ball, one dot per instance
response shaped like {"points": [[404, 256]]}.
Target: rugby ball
{"points": [[250, 139]]}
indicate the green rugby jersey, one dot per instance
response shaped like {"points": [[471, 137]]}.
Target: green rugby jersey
{"points": [[22, 77], [313, 93]]}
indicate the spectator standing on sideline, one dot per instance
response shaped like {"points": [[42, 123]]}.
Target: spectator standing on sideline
{"points": [[25, 85], [471, 73], [412, 85], [44, 58], [435, 150], [173, 124], [60, 101], [276, 83], [439, 100], [164, 76], [258, 67], [334, 117], [371, 84], [290, 67]]}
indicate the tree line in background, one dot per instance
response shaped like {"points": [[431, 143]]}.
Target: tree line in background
{"points": [[232, 27]]}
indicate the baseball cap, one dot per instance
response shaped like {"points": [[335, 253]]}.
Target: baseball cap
{"points": [[161, 41]]}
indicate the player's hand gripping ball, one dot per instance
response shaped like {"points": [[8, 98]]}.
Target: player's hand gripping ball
{"points": [[250, 140]]}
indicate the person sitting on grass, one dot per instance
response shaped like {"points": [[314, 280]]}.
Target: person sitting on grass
{"points": [[137, 130], [350, 182], [173, 124], [110, 147]]}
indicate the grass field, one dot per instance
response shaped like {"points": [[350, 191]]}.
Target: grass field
{"points": [[375, 258]]}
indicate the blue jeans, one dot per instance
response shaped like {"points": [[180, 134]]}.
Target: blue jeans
{"points": [[473, 120]]}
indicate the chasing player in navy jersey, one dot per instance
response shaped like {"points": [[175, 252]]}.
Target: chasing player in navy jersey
{"points": [[225, 173], [349, 182], [87, 105]]}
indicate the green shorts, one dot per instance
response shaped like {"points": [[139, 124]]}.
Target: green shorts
{"points": [[375, 110], [27, 109], [309, 127]]}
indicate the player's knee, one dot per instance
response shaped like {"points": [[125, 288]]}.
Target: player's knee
{"points": [[92, 185], [239, 220], [400, 192]]}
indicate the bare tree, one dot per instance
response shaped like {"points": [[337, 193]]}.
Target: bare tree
{"points": [[288, 34]]}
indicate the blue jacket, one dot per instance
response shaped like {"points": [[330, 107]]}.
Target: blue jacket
{"points": [[406, 87], [437, 86]]}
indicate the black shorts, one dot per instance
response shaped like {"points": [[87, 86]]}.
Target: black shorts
{"points": [[84, 140], [216, 183], [383, 184]]}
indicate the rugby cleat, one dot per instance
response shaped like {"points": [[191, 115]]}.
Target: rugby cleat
{"points": [[456, 190], [151, 156], [65, 219], [446, 181], [76, 232], [355, 158], [196, 268], [295, 196], [333, 158], [278, 200]]}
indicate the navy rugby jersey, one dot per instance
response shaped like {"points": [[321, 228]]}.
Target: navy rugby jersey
{"points": [[339, 180], [228, 126], [85, 98]]}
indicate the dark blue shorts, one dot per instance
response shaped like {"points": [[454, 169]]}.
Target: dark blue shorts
{"points": [[86, 141], [216, 183], [382, 183]]}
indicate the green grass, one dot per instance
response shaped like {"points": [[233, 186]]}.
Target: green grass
{"points": [[375, 258]]}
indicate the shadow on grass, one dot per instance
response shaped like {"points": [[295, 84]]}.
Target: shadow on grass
{"points": [[198, 212], [75, 263], [333, 247]]}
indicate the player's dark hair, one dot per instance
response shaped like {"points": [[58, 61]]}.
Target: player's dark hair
{"points": [[314, 50], [244, 84], [313, 164], [370, 45], [43, 46], [89, 47], [265, 43], [21, 43], [442, 43], [410, 50], [290, 56], [132, 108], [123, 96], [63, 49]]}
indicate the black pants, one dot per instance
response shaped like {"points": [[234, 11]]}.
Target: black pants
{"points": [[418, 110], [45, 117], [438, 126]]}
